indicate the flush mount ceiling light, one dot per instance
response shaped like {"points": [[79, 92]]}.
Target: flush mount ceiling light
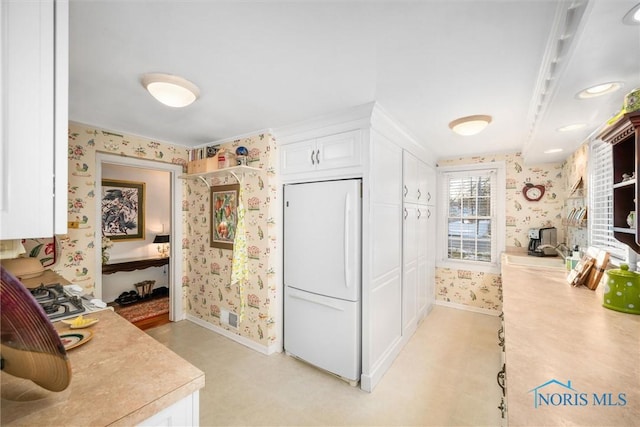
{"points": [[171, 90], [470, 125], [553, 151], [633, 16], [599, 90], [572, 127]]}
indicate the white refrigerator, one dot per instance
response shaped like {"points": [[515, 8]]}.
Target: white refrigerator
{"points": [[322, 274]]}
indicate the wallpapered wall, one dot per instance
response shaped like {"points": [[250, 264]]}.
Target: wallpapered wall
{"points": [[206, 273], [77, 258], [574, 168], [484, 290], [208, 270]]}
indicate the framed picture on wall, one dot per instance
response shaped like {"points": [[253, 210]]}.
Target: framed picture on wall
{"points": [[122, 209], [224, 221]]}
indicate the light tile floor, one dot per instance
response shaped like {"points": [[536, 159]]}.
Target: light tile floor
{"points": [[445, 375]]}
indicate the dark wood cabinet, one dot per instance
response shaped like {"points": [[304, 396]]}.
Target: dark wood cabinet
{"points": [[624, 135]]}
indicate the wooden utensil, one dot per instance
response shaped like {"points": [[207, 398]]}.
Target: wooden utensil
{"points": [[601, 262]]}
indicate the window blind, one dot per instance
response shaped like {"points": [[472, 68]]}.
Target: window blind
{"points": [[470, 216], [601, 201]]}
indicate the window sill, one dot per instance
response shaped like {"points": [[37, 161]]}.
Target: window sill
{"points": [[493, 268]]}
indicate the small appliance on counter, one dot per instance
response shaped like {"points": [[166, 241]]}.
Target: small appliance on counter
{"points": [[547, 236], [622, 291]]}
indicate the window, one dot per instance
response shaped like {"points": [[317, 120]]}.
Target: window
{"points": [[469, 218], [471, 214], [601, 201]]}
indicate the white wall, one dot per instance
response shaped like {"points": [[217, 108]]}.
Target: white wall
{"points": [[157, 214]]}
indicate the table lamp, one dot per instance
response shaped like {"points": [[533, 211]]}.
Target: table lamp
{"points": [[163, 244]]}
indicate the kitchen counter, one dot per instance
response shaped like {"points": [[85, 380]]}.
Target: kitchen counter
{"points": [[577, 361], [121, 376]]}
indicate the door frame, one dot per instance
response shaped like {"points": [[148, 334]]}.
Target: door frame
{"points": [[176, 311]]}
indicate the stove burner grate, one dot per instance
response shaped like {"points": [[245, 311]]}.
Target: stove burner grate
{"points": [[56, 302]]}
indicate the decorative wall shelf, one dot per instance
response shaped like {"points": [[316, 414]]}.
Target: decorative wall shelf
{"points": [[237, 172]]}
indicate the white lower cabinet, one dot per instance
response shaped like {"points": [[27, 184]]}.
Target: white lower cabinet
{"points": [[185, 412], [425, 262], [410, 271]]}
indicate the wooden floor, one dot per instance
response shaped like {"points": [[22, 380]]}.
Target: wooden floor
{"points": [[152, 322]]}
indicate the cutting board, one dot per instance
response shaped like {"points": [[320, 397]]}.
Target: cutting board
{"points": [[600, 263], [590, 269]]}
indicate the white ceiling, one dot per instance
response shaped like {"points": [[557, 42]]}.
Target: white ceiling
{"points": [[267, 64]]}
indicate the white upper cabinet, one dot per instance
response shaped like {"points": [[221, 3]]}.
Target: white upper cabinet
{"points": [[343, 150], [410, 190], [33, 118], [426, 184], [418, 180]]}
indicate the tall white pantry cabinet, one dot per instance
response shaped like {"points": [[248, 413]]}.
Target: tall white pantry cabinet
{"points": [[33, 118], [365, 142], [418, 244]]}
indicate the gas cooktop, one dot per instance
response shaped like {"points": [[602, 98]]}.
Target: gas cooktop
{"points": [[56, 302]]}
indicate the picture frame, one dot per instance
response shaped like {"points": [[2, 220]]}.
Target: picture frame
{"points": [[224, 215], [122, 209]]}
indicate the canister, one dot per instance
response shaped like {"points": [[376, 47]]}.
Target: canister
{"points": [[622, 290]]}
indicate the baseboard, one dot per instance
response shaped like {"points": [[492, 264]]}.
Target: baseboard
{"points": [[234, 337], [369, 381], [468, 308]]}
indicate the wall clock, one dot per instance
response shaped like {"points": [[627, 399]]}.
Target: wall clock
{"points": [[533, 193]]}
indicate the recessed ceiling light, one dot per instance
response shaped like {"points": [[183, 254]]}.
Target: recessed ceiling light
{"points": [[170, 90], [633, 16], [599, 90], [470, 125], [552, 151], [569, 128]]}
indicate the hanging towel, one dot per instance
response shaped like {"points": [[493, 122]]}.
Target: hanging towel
{"points": [[239, 265]]}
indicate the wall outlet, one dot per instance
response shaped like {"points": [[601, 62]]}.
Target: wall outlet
{"points": [[229, 318]]}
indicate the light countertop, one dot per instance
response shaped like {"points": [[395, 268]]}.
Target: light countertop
{"points": [[559, 334], [121, 376]]}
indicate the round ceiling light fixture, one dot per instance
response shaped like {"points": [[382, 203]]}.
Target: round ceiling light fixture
{"points": [[633, 16], [599, 90], [470, 125], [571, 127], [553, 151], [170, 90]]}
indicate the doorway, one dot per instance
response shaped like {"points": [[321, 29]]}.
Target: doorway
{"points": [[159, 219]]}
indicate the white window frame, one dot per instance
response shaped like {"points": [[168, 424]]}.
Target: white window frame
{"points": [[601, 209], [498, 223]]}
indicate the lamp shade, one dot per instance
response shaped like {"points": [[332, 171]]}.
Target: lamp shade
{"points": [[161, 238], [171, 90], [470, 125]]}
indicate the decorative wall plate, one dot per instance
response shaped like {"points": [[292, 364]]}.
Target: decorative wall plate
{"points": [[74, 339]]}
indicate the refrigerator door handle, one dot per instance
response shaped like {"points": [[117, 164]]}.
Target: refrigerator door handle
{"points": [[347, 212], [303, 297]]}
